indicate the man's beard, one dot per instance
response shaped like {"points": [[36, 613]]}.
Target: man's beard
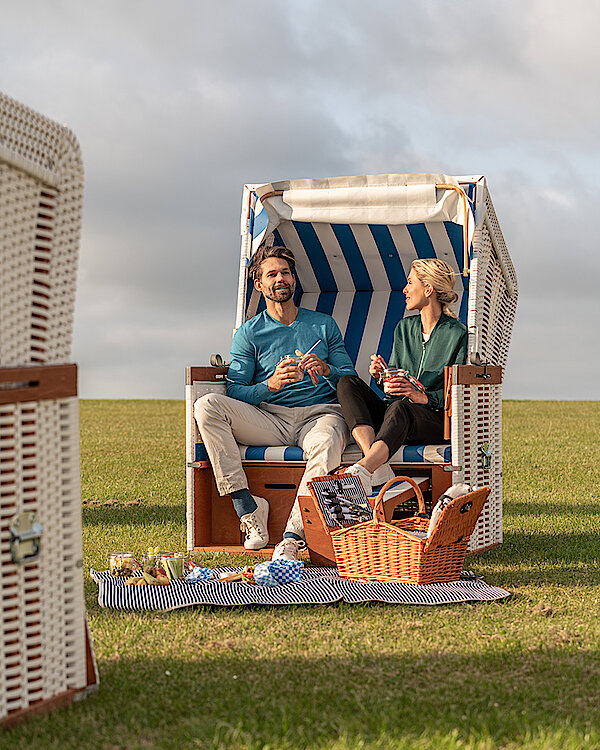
{"points": [[281, 294]]}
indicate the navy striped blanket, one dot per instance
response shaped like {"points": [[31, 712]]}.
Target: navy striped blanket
{"points": [[317, 586]]}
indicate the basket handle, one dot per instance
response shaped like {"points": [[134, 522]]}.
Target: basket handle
{"points": [[378, 514]]}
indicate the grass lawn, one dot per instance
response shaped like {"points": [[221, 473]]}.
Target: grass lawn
{"points": [[520, 673]]}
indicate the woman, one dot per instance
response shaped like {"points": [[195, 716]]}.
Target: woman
{"points": [[423, 345]]}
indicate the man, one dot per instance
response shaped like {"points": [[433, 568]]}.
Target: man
{"points": [[274, 402]]}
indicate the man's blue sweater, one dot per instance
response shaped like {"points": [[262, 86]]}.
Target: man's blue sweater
{"points": [[261, 342]]}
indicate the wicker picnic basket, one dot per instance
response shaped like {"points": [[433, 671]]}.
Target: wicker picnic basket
{"points": [[380, 551]]}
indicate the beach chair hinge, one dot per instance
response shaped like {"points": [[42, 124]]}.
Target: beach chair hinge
{"points": [[25, 535]]}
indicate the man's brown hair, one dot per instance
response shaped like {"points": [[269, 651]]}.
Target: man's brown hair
{"points": [[263, 252]]}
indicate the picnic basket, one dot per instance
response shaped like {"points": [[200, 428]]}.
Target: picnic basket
{"points": [[380, 551]]}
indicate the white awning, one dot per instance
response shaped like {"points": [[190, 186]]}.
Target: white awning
{"points": [[370, 199]]}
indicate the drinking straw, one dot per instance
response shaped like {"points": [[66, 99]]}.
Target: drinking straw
{"points": [[312, 347], [313, 375]]}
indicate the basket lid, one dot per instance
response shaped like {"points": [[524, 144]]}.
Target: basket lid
{"points": [[458, 518]]}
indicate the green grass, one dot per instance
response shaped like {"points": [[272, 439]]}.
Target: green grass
{"points": [[520, 673]]}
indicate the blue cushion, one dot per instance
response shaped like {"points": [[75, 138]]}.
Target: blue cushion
{"points": [[408, 454]]}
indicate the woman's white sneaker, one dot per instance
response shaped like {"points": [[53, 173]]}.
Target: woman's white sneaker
{"points": [[382, 475], [254, 525], [288, 549], [358, 470]]}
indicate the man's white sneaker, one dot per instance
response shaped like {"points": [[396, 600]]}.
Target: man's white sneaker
{"points": [[358, 470], [254, 525], [288, 549], [382, 475]]}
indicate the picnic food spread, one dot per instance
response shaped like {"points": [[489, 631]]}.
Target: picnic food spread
{"points": [[122, 564], [159, 568]]}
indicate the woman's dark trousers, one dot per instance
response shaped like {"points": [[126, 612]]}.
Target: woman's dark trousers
{"points": [[396, 423]]}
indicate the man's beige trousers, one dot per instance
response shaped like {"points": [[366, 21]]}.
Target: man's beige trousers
{"points": [[224, 422]]}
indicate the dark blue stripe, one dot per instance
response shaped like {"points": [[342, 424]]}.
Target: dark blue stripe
{"points": [[421, 240], [413, 453], [249, 283], [471, 192], [448, 453], [293, 453], [201, 454], [455, 235], [255, 453], [249, 290], [326, 302], [299, 291], [316, 256], [356, 323], [353, 256], [464, 305], [389, 255]]}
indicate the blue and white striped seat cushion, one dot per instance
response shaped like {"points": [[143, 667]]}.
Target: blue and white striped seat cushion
{"points": [[408, 454]]}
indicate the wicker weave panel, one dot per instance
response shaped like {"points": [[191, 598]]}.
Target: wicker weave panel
{"points": [[493, 291], [41, 186], [477, 410], [480, 425], [42, 615]]}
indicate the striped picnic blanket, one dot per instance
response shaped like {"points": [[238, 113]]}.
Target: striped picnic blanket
{"points": [[317, 586]]}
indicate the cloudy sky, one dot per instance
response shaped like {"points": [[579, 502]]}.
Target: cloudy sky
{"points": [[177, 104]]}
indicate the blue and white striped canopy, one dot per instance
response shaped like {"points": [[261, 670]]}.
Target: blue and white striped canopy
{"points": [[354, 240]]}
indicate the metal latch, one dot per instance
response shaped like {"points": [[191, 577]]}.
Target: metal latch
{"points": [[25, 533], [486, 456], [485, 374]]}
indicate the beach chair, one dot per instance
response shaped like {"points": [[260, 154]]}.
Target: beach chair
{"points": [[354, 239], [46, 656]]}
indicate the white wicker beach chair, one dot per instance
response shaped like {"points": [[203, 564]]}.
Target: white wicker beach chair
{"points": [[354, 239], [46, 658]]}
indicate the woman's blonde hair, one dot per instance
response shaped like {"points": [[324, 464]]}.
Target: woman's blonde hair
{"points": [[438, 274]]}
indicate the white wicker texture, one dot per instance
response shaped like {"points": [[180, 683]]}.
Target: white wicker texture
{"points": [[477, 440], [41, 194], [477, 410], [42, 615], [190, 508], [492, 291]]}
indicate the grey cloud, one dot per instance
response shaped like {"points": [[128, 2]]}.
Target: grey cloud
{"points": [[177, 105]]}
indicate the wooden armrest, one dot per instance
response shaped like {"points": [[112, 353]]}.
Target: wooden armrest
{"points": [[37, 382], [205, 373], [466, 375], [478, 375]]}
